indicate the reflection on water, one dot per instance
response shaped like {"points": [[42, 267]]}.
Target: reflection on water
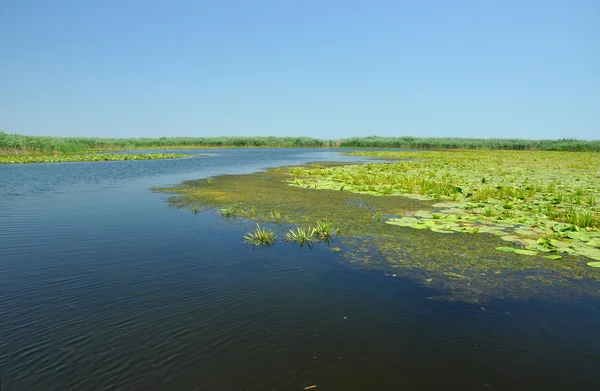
{"points": [[103, 286]]}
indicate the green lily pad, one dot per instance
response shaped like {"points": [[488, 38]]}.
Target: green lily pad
{"points": [[525, 252], [553, 256]]}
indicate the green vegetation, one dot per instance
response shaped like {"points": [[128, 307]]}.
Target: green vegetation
{"points": [[433, 257], [533, 200], [19, 144], [470, 143], [15, 143], [322, 232], [302, 236], [261, 236], [231, 210], [100, 157]]}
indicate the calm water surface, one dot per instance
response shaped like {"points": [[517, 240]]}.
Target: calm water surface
{"points": [[104, 287]]}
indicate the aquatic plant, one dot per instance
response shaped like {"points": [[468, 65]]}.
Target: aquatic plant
{"points": [[231, 210], [414, 249], [261, 236], [511, 194], [323, 230], [195, 209], [91, 157], [302, 236], [275, 215]]}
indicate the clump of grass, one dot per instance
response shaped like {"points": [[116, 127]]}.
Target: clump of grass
{"points": [[488, 212], [377, 217], [231, 210], [580, 218], [323, 231], [275, 215], [195, 209], [209, 181], [302, 236], [261, 236], [252, 211]]}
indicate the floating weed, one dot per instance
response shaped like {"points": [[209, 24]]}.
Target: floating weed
{"points": [[195, 209], [89, 157], [261, 236]]}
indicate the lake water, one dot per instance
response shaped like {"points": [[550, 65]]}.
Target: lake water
{"points": [[103, 286]]}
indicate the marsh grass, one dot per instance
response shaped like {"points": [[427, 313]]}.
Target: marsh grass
{"points": [[302, 236], [232, 210], [324, 231], [261, 236], [275, 215]]}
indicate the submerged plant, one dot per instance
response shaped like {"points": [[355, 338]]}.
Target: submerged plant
{"points": [[261, 236]]}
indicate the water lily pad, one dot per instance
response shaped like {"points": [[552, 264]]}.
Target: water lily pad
{"points": [[525, 252], [553, 256]]}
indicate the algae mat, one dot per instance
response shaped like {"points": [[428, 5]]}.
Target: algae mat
{"points": [[438, 238]]}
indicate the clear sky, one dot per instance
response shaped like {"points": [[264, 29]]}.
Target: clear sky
{"points": [[326, 68]]}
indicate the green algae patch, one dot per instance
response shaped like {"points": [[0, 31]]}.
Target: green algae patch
{"points": [[379, 232], [92, 157], [540, 201]]}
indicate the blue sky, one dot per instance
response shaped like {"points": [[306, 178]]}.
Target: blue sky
{"points": [[329, 69]]}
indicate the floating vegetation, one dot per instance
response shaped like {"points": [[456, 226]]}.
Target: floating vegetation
{"points": [[261, 236], [406, 244], [533, 200], [92, 157]]}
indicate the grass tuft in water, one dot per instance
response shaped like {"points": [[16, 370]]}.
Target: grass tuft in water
{"points": [[261, 236], [323, 230], [275, 215], [302, 236]]}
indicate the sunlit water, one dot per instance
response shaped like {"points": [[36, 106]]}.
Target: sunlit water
{"points": [[104, 287]]}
